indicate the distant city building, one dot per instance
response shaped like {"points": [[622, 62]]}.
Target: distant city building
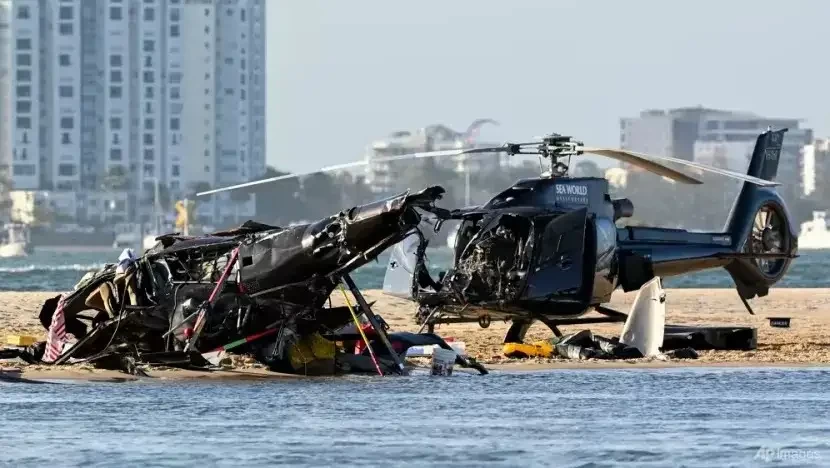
{"points": [[717, 137], [816, 171], [381, 176], [5, 86], [112, 95]]}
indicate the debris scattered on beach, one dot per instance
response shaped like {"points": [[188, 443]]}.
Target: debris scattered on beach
{"points": [[585, 345]]}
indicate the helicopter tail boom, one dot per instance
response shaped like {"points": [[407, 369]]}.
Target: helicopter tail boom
{"points": [[756, 246]]}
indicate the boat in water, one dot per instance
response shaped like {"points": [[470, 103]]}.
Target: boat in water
{"points": [[814, 233], [16, 241]]}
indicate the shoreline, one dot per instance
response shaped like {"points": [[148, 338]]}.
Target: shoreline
{"points": [[67, 374], [805, 344]]}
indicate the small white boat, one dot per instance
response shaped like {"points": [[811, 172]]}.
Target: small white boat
{"points": [[814, 234], [16, 241]]}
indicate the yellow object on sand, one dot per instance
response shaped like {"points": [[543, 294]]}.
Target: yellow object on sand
{"points": [[310, 348], [20, 340], [541, 349]]}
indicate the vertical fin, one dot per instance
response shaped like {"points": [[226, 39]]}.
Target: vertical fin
{"points": [[766, 155]]}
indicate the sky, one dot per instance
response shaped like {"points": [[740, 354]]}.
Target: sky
{"points": [[342, 74]]}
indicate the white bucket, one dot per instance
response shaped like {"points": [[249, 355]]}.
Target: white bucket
{"points": [[442, 361]]}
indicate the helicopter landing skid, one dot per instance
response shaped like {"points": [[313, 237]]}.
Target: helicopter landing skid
{"points": [[518, 329]]}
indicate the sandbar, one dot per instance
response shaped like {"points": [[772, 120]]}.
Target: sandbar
{"points": [[805, 343]]}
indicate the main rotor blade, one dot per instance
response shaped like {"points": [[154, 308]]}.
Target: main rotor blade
{"points": [[282, 177], [425, 154], [619, 154], [510, 148], [645, 163]]}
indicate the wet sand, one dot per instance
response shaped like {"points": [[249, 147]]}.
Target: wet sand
{"points": [[807, 342]]}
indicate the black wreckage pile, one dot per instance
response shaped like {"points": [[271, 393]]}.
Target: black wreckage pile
{"points": [[257, 290]]}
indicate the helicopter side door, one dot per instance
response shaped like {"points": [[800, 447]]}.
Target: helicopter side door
{"points": [[559, 270]]}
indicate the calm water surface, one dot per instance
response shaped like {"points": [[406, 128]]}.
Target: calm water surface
{"points": [[669, 417]]}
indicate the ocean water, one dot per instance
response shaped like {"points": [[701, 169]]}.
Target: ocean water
{"points": [[695, 417], [61, 270]]}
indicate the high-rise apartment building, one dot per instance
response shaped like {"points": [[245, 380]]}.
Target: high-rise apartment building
{"points": [[816, 171], [108, 97], [5, 86]]}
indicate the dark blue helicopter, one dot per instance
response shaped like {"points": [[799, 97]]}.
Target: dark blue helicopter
{"points": [[549, 248]]}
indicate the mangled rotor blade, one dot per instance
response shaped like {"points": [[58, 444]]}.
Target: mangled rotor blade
{"points": [[643, 162], [650, 159]]}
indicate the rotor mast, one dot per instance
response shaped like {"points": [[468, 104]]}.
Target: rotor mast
{"points": [[552, 148]]}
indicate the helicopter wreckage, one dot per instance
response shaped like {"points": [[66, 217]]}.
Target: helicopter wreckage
{"points": [[259, 289]]}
